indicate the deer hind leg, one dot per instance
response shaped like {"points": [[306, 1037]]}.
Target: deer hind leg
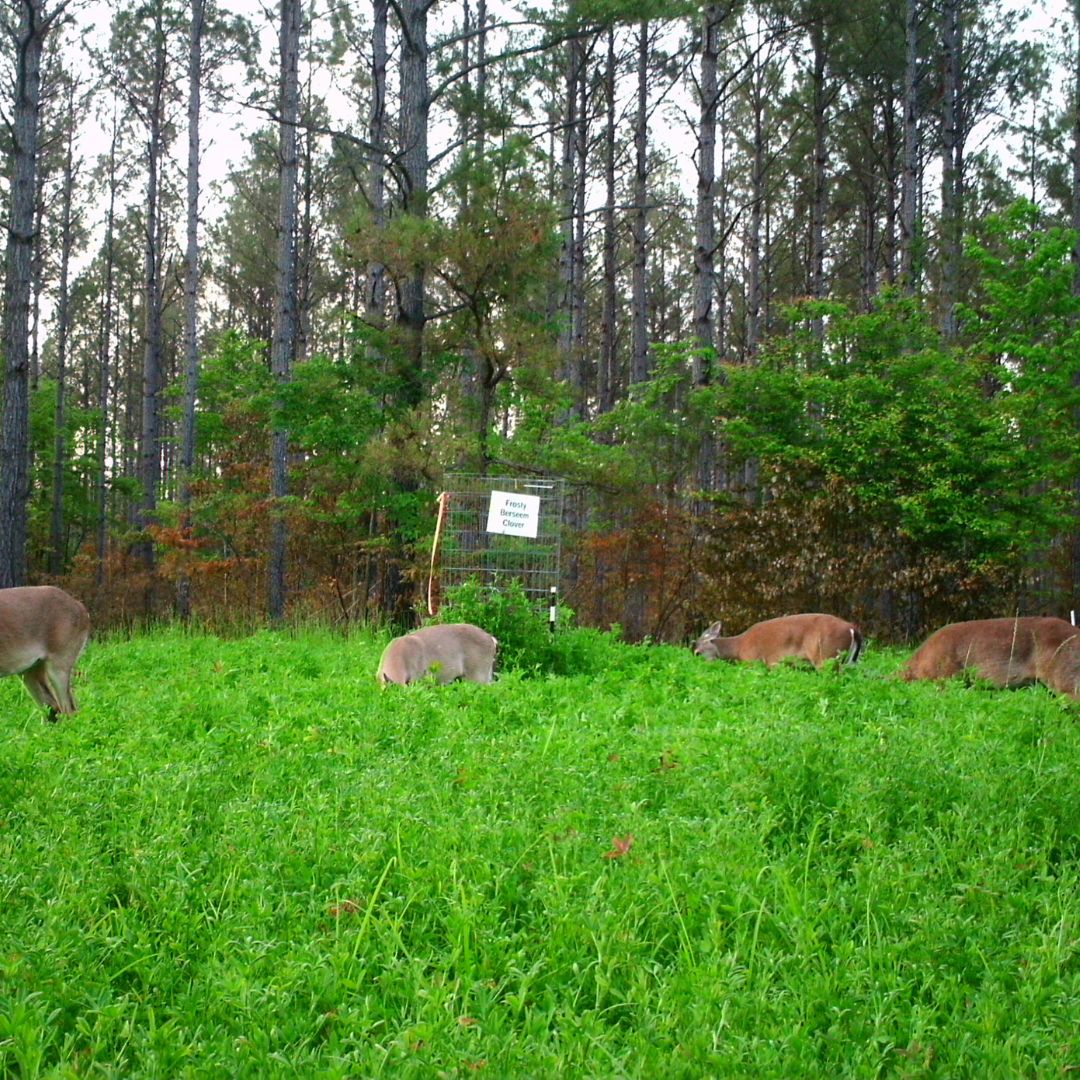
{"points": [[41, 688], [58, 674], [59, 668]]}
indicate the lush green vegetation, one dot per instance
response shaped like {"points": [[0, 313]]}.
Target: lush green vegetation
{"points": [[241, 858]]}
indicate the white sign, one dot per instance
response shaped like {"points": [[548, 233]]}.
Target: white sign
{"points": [[514, 515]]}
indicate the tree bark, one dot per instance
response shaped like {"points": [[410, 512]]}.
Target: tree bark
{"points": [[105, 362], [705, 217], [910, 171], [191, 293], [415, 161], [150, 448], [58, 540], [283, 343], [607, 375], [571, 187], [820, 196], [375, 291], [1076, 266], [1076, 149], [706, 246], [951, 168], [754, 286], [480, 132], [28, 40], [580, 373], [639, 356]]}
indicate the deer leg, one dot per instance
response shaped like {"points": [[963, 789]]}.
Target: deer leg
{"points": [[37, 682], [58, 676]]}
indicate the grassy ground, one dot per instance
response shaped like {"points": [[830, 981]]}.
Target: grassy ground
{"points": [[243, 859]]}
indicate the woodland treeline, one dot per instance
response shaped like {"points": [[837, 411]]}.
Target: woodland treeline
{"points": [[788, 292]]}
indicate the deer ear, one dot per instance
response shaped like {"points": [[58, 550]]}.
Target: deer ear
{"points": [[713, 631]]}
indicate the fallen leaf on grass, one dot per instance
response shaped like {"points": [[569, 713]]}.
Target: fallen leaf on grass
{"points": [[620, 846], [668, 761], [346, 907]]}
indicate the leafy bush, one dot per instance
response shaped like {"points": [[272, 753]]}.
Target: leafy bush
{"points": [[526, 642]]}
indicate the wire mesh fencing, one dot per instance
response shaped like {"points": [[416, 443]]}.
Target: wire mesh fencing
{"points": [[500, 529]]}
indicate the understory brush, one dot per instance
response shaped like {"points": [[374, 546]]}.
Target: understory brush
{"points": [[243, 858]]}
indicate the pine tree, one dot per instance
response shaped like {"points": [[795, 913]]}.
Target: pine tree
{"points": [[27, 37], [283, 344]]}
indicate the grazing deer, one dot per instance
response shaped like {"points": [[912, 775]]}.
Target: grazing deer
{"points": [[448, 651], [1062, 673], [43, 632], [817, 638], [1005, 652]]}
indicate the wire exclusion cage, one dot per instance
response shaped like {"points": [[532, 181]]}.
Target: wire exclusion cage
{"points": [[498, 529]]}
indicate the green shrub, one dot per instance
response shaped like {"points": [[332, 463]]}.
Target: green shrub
{"points": [[520, 623]]}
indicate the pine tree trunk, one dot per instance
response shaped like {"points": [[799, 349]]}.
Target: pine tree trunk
{"points": [[105, 364], [191, 293], [705, 249], [472, 122], [28, 40], [951, 179], [375, 293], [910, 172], [705, 219], [570, 270], [306, 254], [579, 377], [150, 449], [725, 224], [1076, 263], [818, 204], [479, 377], [869, 232], [480, 132], [58, 543], [1076, 150], [754, 287], [283, 344], [415, 108], [639, 355], [607, 375]]}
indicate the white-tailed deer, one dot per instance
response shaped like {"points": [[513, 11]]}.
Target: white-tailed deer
{"points": [[448, 651], [43, 632], [817, 638], [1005, 652]]}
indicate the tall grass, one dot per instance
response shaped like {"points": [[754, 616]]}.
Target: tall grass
{"points": [[243, 859]]}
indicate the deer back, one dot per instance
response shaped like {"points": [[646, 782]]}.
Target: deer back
{"points": [[1005, 652], [40, 622], [1061, 671], [449, 651], [811, 636]]}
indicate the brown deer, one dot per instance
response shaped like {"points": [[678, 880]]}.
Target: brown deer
{"points": [[43, 632], [1005, 652], [448, 651], [817, 638]]}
